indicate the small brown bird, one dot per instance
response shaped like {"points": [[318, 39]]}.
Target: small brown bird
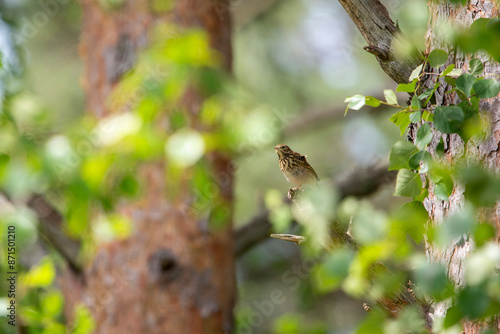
{"points": [[295, 167]]}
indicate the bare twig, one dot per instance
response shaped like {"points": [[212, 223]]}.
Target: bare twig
{"points": [[51, 229], [289, 237]]}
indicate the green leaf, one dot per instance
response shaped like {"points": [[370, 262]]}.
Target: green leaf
{"points": [[415, 73], [40, 275], [483, 233], [416, 117], [469, 109], [455, 72], [330, 273], [401, 152], [411, 218], [473, 301], [476, 67], [453, 316], [83, 322], [486, 88], [355, 102], [431, 278], [424, 136], [426, 94], [481, 187], [421, 156], [455, 225], [443, 189], [427, 116], [440, 148], [390, 96], [465, 82], [450, 68], [438, 57], [409, 87], [415, 103], [129, 185], [448, 119], [408, 184], [372, 101], [402, 120]]}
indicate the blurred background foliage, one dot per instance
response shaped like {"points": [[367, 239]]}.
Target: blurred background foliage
{"points": [[294, 63]]}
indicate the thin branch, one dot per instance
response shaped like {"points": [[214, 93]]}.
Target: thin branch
{"points": [[312, 118], [384, 38], [51, 229], [298, 239]]}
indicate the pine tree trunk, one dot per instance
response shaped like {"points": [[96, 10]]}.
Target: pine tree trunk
{"points": [[487, 152], [173, 274]]}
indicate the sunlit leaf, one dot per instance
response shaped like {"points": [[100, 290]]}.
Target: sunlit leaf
{"points": [[400, 154], [372, 101], [390, 96], [355, 102], [185, 147], [52, 303], [408, 183], [476, 67], [40, 275], [402, 120], [409, 87], [448, 70], [83, 322], [415, 73], [455, 72]]}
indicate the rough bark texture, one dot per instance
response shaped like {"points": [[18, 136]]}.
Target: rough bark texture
{"points": [[374, 23], [486, 151], [174, 274], [383, 37]]}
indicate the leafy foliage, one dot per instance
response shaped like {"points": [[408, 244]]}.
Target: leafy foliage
{"points": [[422, 173]]}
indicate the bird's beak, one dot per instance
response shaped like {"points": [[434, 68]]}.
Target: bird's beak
{"points": [[276, 147]]}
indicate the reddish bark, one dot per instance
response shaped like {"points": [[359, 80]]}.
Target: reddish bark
{"points": [[174, 274]]}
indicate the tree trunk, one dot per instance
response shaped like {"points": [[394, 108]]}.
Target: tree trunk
{"points": [[173, 274], [487, 152]]}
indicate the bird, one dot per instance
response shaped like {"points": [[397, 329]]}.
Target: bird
{"points": [[295, 167]]}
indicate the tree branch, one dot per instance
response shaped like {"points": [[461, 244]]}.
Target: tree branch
{"points": [[52, 230], [385, 39], [360, 182], [313, 118]]}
